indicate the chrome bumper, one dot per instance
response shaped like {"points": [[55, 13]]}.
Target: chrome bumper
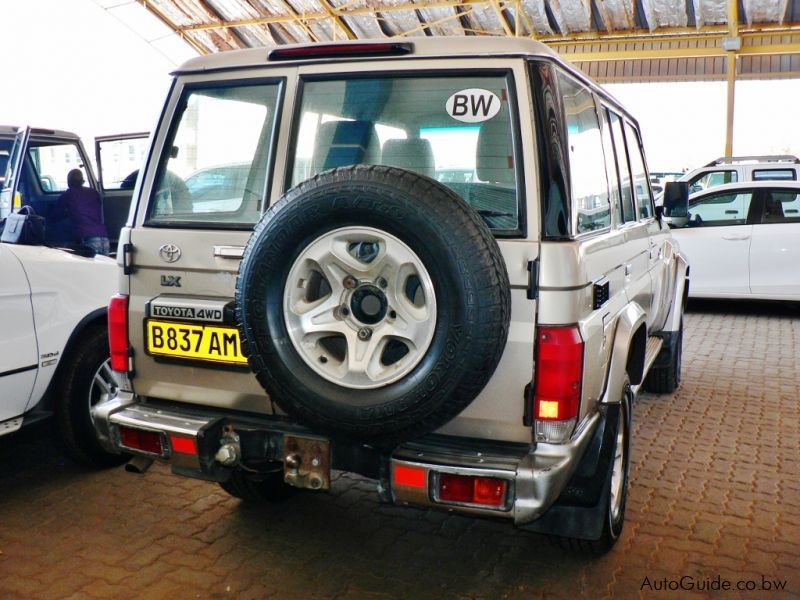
{"points": [[535, 475]]}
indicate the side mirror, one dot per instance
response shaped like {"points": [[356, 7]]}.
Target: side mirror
{"points": [[676, 203]]}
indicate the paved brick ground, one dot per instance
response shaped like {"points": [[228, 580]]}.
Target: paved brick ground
{"points": [[715, 492]]}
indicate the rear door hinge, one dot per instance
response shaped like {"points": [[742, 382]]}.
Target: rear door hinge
{"points": [[127, 253]]}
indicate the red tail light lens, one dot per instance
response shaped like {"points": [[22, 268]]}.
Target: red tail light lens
{"points": [[559, 372], [414, 477], [465, 489], [139, 439], [183, 445], [118, 332]]}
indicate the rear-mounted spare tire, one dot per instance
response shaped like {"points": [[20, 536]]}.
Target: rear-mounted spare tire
{"points": [[373, 304]]}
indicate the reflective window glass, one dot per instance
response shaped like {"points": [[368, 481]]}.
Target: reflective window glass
{"points": [[215, 167], [590, 201]]}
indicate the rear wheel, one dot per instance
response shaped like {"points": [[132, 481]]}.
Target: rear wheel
{"points": [[618, 482], [85, 379], [615, 493], [269, 487]]}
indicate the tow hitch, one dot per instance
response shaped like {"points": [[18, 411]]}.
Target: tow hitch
{"points": [[307, 462]]}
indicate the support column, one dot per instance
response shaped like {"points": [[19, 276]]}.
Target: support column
{"points": [[730, 60]]}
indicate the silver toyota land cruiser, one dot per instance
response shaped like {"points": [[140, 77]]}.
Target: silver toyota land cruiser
{"points": [[435, 263]]}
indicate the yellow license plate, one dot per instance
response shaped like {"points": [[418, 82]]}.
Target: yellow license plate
{"points": [[191, 341]]}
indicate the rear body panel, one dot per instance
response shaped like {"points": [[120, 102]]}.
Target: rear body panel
{"points": [[203, 273]]}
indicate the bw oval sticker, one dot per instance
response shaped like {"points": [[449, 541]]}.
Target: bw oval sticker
{"points": [[473, 105]]}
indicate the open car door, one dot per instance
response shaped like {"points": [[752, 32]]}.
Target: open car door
{"points": [[9, 198], [119, 158]]}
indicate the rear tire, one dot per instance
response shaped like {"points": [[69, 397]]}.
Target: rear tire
{"points": [[82, 381], [271, 488], [666, 379], [616, 491], [618, 481]]}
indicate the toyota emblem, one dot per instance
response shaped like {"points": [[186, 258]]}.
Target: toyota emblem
{"points": [[169, 253]]}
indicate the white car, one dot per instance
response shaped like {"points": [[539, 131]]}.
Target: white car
{"points": [[738, 169], [54, 343], [742, 241]]}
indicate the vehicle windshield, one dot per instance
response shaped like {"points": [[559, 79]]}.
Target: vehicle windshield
{"points": [[455, 129]]}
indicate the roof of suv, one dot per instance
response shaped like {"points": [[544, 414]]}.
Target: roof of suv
{"points": [[748, 185], [9, 131], [433, 47], [422, 48]]}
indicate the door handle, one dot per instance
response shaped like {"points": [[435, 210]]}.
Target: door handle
{"points": [[735, 238], [229, 251], [627, 269]]}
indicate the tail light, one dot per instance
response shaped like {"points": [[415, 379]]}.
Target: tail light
{"points": [[474, 491], [141, 440], [118, 333], [559, 374]]}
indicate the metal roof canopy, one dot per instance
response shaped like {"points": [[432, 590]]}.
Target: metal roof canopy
{"points": [[611, 40]]}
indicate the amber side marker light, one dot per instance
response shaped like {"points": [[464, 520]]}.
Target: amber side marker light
{"points": [[466, 489]]}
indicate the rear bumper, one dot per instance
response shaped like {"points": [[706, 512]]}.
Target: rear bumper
{"points": [[535, 475]]}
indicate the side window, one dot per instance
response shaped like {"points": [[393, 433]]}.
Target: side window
{"points": [[711, 179], [611, 166], [626, 181], [120, 160], [781, 207], [718, 210], [590, 202], [223, 133], [53, 162], [774, 174], [641, 184]]}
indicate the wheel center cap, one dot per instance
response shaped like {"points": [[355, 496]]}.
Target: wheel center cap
{"points": [[369, 304]]}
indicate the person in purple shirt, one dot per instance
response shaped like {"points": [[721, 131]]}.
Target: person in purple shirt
{"points": [[85, 208]]}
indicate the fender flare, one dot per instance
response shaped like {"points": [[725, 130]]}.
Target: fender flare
{"points": [[630, 321], [680, 294], [97, 315]]}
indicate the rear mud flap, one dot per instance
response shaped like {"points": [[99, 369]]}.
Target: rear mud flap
{"points": [[581, 509]]}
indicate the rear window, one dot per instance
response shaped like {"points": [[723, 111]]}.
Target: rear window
{"points": [[216, 162], [774, 175], [455, 129]]}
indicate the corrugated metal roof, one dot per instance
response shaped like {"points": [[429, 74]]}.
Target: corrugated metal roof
{"points": [[582, 26]]}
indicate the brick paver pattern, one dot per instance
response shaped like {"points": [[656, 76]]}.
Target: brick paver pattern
{"points": [[715, 492]]}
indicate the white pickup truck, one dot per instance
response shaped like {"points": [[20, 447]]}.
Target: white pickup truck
{"points": [[53, 337]]}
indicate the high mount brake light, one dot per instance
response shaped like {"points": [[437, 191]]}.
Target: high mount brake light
{"points": [[340, 51], [118, 333]]}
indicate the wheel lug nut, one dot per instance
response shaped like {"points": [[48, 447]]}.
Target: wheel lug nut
{"points": [[382, 282], [340, 312], [392, 314], [364, 333], [350, 282]]}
